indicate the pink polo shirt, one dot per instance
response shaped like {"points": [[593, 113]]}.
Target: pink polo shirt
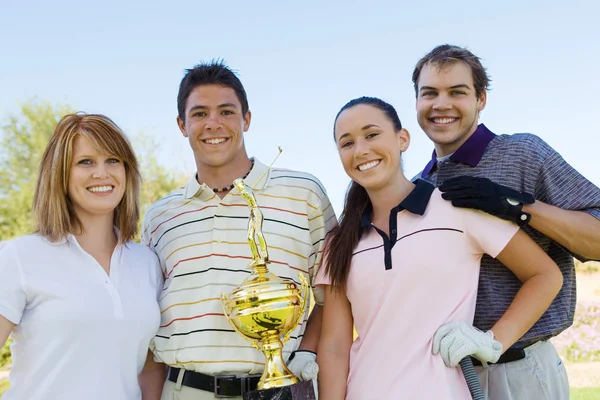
{"points": [[431, 280]]}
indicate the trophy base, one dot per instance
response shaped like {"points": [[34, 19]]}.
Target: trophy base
{"points": [[299, 391]]}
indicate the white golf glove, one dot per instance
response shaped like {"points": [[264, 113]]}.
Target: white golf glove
{"points": [[303, 364], [456, 340]]}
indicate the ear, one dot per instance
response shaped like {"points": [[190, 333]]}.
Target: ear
{"points": [[181, 125], [403, 137], [481, 101], [247, 119]]}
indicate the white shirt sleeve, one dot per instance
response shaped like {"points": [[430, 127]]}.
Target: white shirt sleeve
{"points": [[319, 225], [12, 294], [160, 281]]}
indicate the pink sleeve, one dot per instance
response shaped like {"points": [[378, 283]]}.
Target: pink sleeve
{"points": [[489, 234], [322, 278]]}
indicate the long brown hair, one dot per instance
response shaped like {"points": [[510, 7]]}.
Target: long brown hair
{"points": [[52, 208], [342, 240]]}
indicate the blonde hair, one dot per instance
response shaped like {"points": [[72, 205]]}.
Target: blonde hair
{"points": [[53, 211]]}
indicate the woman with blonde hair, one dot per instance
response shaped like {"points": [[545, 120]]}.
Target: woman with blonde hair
{"points": [[79, 297]]}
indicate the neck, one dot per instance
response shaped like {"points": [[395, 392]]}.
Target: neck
{"points": [[223, 176], [442, 150], [97, 231], [389, 197]]}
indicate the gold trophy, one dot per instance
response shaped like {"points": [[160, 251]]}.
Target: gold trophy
{"points": [[265, 309]]}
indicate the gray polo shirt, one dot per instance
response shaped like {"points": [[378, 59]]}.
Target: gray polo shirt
{"points": [[525, 163]]}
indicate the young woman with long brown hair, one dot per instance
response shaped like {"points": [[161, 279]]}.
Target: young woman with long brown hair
{"points": [[402, 267]]}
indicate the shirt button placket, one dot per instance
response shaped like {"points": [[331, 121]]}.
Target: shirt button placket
{"points": [[112, 288], [219, 232]]}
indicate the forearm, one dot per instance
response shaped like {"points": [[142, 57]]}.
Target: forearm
{"points": [[6, 328], [333, 375], [532, 300], [577, 231], [152, 379], [333, 354], [310, 341]]}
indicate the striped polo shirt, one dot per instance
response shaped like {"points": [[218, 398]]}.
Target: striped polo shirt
{"points": [[526, 163], [201, 241]]}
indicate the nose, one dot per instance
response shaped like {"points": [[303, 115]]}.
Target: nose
{"points": [[212, 122], [361, 148], [100, 172], [442, 102]]}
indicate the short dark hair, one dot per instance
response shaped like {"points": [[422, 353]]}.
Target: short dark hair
{"points": [[215, 72], [447, 54]]}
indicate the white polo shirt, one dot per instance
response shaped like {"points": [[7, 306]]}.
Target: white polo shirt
{"points": [[80, 334]]}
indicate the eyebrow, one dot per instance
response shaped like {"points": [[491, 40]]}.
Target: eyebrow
{"points": [[101, 153], [201, 107], [461, 86], [364, 128], [369, 126]]}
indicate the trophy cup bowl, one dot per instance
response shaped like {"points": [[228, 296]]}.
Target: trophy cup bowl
{"points": [[264, 309]]}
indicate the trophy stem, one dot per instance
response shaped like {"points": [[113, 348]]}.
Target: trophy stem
{"points": [[276, 373]]}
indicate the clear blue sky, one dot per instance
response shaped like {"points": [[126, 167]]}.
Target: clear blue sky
{"points": [[300, 63]]}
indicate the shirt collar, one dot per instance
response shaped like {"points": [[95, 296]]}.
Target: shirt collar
{"points": [[469, 153], [416, 202], [259, 171], [68, 238]]}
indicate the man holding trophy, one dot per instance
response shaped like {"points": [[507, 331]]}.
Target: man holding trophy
{"points": [[201, 234]]}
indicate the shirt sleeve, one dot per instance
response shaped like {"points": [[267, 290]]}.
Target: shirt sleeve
{"points": [[160, 281], [322, 278], [561, 185], [146, 240], [13, 298], [320, 223], [159, 287], [489, 234], [145, 237]]}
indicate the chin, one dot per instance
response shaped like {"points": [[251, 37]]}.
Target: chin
{"points": [[216, 162], [101, 209], [368, 184]]}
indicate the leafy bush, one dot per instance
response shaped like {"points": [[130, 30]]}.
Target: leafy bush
{"points": [[5, 354], [581, 342], [4, 387], [587, 267]]}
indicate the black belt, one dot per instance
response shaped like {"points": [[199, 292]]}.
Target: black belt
{"points": [[509, 355], [221, 385]]}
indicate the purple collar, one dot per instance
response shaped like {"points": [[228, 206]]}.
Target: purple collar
{"points": [[469, 153]]}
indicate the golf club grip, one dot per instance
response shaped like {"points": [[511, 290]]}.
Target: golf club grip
{"points": [[472, 382]]}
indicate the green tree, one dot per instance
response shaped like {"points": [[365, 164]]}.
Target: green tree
{"points": [[22, 141], [23, 138], [157, 181]]}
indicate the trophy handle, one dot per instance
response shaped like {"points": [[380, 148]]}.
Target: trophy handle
{"points": [[253, 342], [303, 299]]}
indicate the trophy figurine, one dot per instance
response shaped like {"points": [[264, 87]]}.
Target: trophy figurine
{"points": [[265, 309]]}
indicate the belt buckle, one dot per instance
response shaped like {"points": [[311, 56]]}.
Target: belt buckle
{"points": [[217, 379]]}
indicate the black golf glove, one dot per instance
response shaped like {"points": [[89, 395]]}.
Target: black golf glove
{"points": [[485, 195]]}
